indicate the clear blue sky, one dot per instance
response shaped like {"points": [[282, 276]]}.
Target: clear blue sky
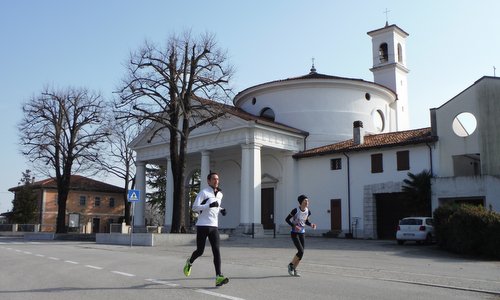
{"points": [[85, 43]]}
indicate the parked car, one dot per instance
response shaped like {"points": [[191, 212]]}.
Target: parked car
{"points": [[419, 229]]}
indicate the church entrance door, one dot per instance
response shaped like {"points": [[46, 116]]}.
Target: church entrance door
{"points": [[267, 208]]}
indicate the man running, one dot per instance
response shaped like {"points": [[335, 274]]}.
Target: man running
{"points": [[208, 205], [298, 218]]}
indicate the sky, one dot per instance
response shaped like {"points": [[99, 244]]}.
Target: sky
{"points": [[86, 43]]}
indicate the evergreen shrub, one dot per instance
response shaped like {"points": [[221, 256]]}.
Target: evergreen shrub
{"points": [[468, 229]]}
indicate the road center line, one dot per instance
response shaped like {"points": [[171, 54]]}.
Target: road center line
{"points": [[71, 262], [93, 267], [162, 282], [207, 292], [123, 273]]}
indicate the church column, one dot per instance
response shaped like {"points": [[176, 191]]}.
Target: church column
{"points": [[205, 168], [169, 196], [251, 189], [289, 192], [140, 184]]}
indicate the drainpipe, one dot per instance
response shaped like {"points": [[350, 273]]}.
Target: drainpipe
{"points": [[348, 193], [430, 158]]}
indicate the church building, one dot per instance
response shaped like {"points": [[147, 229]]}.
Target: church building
{"points": [[343, 142]]}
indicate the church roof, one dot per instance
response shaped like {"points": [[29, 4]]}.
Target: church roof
{"points": [[237, 112], [383, 140], [77, 182], [313, 75]]}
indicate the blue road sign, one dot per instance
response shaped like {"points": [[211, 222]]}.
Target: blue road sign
{"points": [[134, 195]]}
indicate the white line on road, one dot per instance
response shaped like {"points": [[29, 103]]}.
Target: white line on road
{"points": [[123, 273], [27, 252], [93, 267], [217, 294], [162, 282], [53, 258], [40, 255], [71, 262]]}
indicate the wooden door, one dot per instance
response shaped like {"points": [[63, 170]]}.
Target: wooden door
{"points": [[267, 208], [335, 215]]}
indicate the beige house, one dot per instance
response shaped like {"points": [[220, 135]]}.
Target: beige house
{"points": [[91, 206]]}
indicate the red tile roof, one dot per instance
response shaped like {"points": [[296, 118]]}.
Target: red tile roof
{"points": [[383, 140], [77, 182]]}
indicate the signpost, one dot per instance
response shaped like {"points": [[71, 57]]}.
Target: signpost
{"points": [[133, 197]]}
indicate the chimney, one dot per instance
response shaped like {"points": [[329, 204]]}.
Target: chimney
{"points": [[358, 133]]}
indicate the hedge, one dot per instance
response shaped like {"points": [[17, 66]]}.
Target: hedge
{"points": [[468, 229]]}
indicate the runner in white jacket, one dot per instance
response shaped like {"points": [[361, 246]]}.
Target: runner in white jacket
{"points": [[208, 205]]}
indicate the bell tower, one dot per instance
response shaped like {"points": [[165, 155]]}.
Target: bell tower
{"points": [[389, 67]]}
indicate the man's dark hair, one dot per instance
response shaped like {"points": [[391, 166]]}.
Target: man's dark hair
{"points": [[209, 176], [301, 198]]}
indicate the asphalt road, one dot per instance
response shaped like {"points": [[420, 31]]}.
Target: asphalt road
{"points": [[331, 269]]}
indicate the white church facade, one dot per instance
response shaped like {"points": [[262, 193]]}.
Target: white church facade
{"points": [[343, 142]]}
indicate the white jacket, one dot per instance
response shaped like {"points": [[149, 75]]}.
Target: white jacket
{"points": [[208, 216]]}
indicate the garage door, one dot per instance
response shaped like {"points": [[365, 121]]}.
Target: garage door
{"points": [[392, 207]]}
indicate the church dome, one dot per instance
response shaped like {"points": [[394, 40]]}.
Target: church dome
{"points": [[323, 105]]}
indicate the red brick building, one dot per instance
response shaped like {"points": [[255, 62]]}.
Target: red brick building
{"points": [[91, 206]]}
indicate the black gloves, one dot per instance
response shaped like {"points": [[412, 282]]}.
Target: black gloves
{"points": [[214, 204], [223, 211]]}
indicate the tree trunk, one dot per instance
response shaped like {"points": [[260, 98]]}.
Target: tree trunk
{"points": [[62, 196]]}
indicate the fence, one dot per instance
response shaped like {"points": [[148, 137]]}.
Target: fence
{"points": [[19, 227]]}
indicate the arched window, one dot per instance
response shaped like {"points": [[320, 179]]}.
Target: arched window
{"points": [[400, 53], [382, 52], [267, 113]]}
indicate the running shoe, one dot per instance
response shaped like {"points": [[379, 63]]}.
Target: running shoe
{"points": [[296, 273], [221, 280], [187, 268], [290, 269]]}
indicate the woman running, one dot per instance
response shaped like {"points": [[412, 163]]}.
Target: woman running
{"points": [[298, 218]]}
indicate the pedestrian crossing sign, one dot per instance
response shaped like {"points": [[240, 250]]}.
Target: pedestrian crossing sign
{"points": [[134, 195]]}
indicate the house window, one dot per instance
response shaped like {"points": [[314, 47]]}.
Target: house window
{"points": [[83, 200], [335, 164], [97, 201], [111, 202], [403, 160], [377, 165]]}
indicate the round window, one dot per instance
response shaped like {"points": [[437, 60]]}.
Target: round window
{"points": [[464, 124]]}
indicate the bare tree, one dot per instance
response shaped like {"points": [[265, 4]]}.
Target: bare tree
{"points": [[118, 159], [169, 87], [60, 133]]}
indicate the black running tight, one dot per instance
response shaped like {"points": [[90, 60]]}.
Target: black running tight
{"points": [[298, 241], [202, 232]]}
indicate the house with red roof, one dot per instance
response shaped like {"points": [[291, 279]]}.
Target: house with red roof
{"points": [[91, 206]]}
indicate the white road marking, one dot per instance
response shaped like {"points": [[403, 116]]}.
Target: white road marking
{"points": [[71, 262], [53, 258], [162, 282], [40, 255], [27, 252], [217, 294], [123, 273], [93, 267]]}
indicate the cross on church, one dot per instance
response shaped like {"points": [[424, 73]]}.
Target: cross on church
{"points": [[386, 12]]}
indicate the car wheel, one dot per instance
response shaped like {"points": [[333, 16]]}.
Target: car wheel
{"points": [[428, 239], [401, 242]]}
